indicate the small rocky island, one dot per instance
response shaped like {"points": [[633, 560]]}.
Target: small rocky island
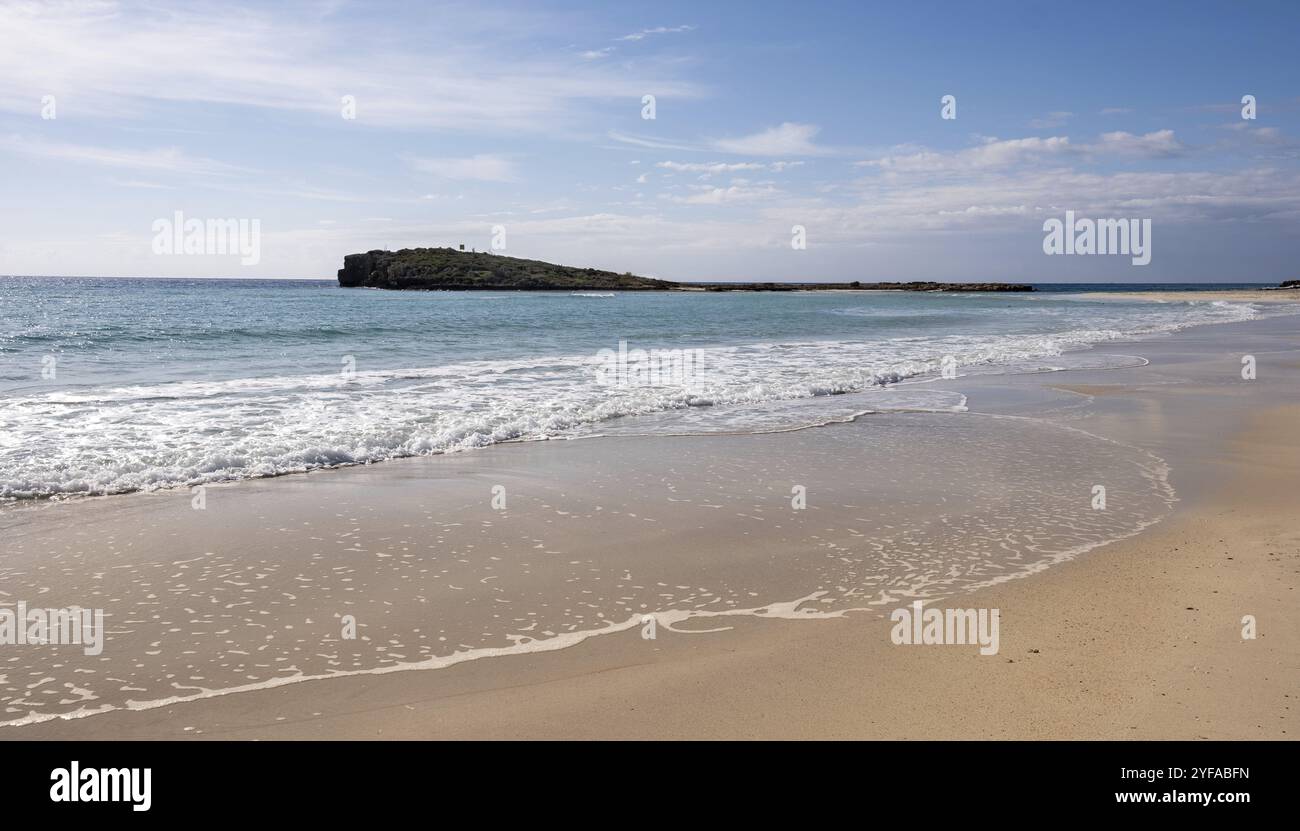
{"points": [[452, 270], [449, 269]]}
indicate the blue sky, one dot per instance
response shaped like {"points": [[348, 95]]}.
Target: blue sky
{"points": [[529, 116]]}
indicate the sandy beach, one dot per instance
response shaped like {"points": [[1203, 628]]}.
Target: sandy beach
{"points": [[225, 622]]}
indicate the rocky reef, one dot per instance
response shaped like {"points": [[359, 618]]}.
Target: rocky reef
{"points": [[859, 286]]}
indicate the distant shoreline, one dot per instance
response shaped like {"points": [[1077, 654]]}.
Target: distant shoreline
{"points": [[449, 269], [1082, 288], [1255, 290]]}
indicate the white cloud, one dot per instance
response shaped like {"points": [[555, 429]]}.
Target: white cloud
{"points": [[1268, 135], [787, 139], [1053, 119], [710, 168], [652, 143], [162, 159], [996, 200], [1160, 144], [481, 167], [658, 30], [139, 184], [993, 153], [719, 196]]}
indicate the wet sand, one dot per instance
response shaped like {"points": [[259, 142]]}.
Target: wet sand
{"points": [[1135, 638]]}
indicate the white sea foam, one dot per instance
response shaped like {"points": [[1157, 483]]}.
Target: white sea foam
{"points": [[521, 646], [117, 439]]}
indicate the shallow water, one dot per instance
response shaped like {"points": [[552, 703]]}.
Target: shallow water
{"points": [[115, 385]]}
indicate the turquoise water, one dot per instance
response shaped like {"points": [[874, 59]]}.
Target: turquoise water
{"points": [[115, 385]]}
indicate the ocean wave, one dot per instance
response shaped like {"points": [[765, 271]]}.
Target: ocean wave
{"points": [[118, 439]]}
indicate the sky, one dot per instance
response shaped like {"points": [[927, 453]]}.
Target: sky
{"points": [[342, 127]]}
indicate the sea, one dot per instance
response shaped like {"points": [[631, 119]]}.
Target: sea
{"points": [[115, 385]]}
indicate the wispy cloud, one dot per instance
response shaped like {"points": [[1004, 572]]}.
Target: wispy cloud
{"points": [[1051, 120], [162, 159], [481, 167], [787, 139], [1010, 201], [720, 196], [710, 168], [654, 143], [114, 60], [1160, 144], [658, 30], [1000, 154], [139, 184], [706, 169]]}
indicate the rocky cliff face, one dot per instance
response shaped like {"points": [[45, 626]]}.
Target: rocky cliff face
{"points": [[356, 269]]}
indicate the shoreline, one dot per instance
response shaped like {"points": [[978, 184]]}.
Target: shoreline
{"points": [[593, 429], [596, 688], [764, 582]]}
